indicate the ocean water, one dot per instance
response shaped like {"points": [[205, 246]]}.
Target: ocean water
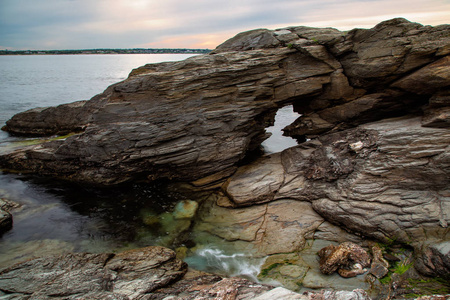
{"points": [[47, 80], [56, 217]]}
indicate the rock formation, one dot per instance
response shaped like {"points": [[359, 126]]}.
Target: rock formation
{"points": [[374, 126], [147, 273], [190, 119]]}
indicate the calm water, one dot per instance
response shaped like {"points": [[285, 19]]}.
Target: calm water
{"points": [[54, 217], [57, 218]]}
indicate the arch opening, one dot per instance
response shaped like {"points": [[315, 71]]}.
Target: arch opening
{"points": [[277, 142]]}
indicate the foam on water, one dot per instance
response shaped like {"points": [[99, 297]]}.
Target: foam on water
{"points": [[211, 259]]}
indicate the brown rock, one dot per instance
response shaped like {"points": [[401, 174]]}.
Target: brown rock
{"points": [[347, 258], [428, 79], [379, 267], [188, 120]]}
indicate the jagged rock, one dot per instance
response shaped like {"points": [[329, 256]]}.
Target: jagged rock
{"points": [[434, 259], [439, 117], [61, 120], [5, 221], [200, 117], [348, 259], [196, 121], [429, 79]]}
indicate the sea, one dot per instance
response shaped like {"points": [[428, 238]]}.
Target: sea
{"points": [[57, 217]]}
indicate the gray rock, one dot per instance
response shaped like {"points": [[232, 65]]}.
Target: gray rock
{"points": [[127, 275], [434, 259], [281, 293]]}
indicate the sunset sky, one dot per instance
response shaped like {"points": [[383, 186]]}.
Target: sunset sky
{"points": [[87, 24]]}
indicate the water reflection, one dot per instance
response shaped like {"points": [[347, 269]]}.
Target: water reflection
{"points": [[58, 217]]}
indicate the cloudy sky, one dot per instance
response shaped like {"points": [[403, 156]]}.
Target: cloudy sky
{"points": [[85, 24]]}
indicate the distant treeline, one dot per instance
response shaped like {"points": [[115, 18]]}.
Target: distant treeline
{"points": [[104, 51]]}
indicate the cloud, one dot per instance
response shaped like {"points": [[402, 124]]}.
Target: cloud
{"points": [[69, 24]]}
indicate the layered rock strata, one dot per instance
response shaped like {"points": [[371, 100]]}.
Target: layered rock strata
{"points": [[190, 119], [374, 102]]}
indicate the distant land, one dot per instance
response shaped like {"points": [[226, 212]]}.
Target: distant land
{"points": [[105, 51]]}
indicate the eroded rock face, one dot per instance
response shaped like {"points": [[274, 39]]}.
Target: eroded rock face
{"points": [[199, 117]]}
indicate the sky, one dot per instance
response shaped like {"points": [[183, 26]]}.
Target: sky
{"points": [[91, 24]]}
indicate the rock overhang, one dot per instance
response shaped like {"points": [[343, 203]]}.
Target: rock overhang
{"points": [[190, 119]]}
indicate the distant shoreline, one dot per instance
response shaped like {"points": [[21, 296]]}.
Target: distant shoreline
{"points": [[105, 51]]}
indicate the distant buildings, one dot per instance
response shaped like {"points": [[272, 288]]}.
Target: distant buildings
{"points": [[105, 51]]}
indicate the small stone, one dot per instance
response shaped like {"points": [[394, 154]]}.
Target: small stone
{"points": [[185, 209]]}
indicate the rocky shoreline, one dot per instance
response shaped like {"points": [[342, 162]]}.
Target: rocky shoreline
{"points": [[372, 165]]}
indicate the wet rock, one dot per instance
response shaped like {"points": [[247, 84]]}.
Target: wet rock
{"points": [[386, 180], [348, 259], [278, 227], [6, 219], [185, 209], [379, 266], [15, 252], [288, 270]]}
